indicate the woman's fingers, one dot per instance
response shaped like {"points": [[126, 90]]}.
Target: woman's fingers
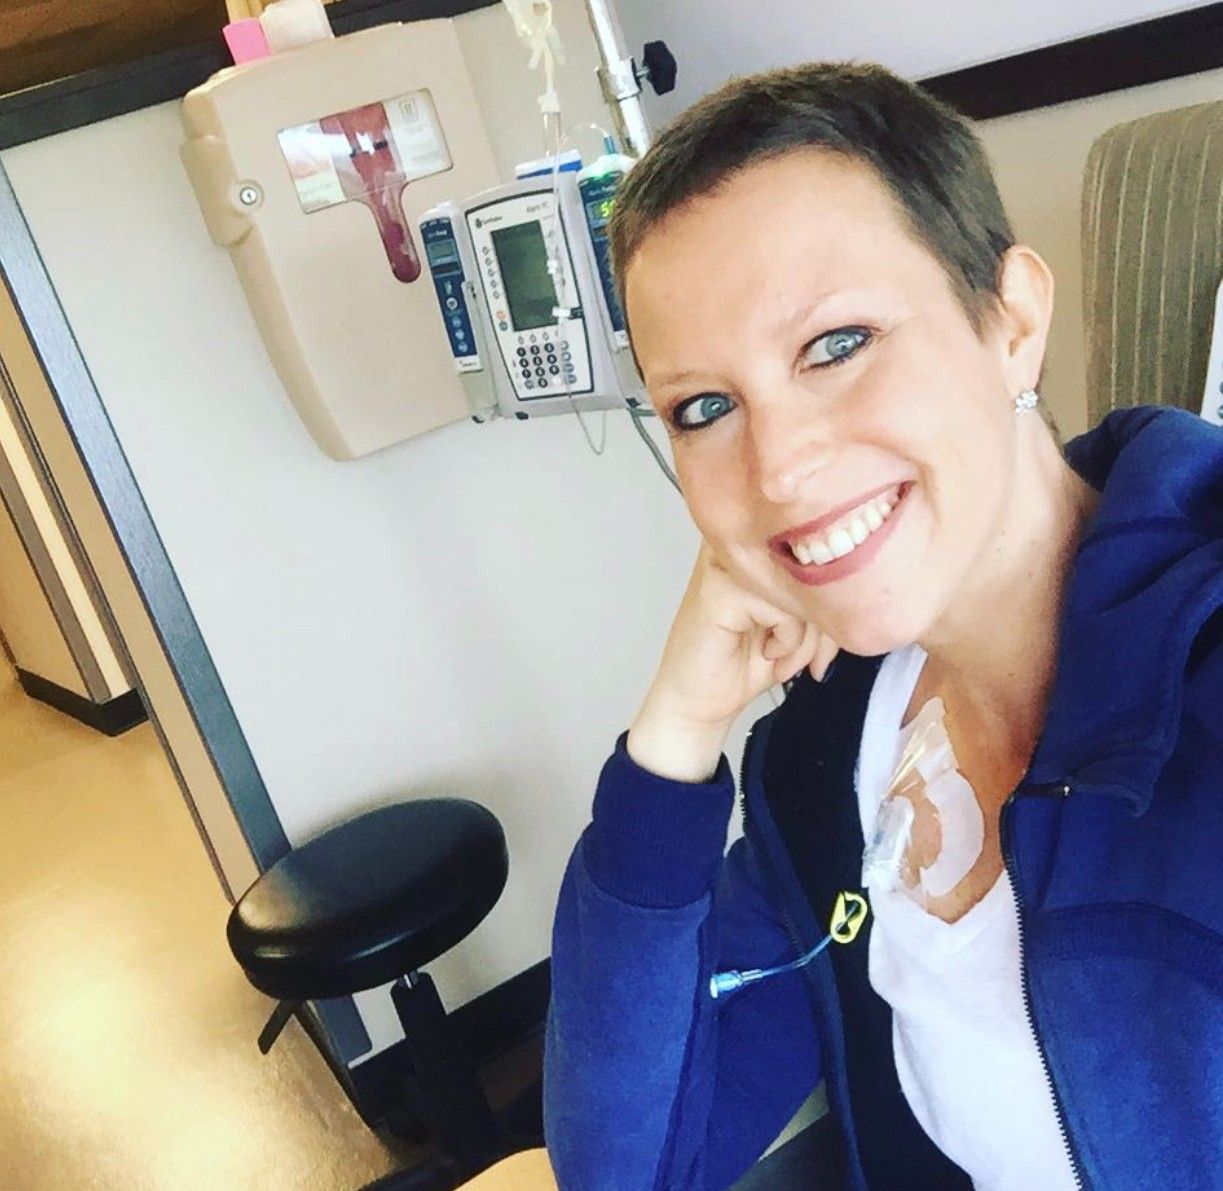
{"points": [[785, 668], [779, 645], [790, 644], [783, 639]]}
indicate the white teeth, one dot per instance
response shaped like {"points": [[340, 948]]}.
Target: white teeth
{"points": [[848, 534], [840, 543]]}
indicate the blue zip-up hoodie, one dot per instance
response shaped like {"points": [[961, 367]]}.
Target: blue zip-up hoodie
{"points": [[1113, 841]]}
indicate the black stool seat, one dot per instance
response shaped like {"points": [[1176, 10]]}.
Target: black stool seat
{"points": [[370, 900]]}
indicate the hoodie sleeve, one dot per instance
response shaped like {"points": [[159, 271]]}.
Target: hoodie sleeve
{"points": [[648, 1082]]}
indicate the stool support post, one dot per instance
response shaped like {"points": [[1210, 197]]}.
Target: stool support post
{"points": [[452, 1101]]}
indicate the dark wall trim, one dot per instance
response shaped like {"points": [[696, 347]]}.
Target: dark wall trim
{"points": [[1148, 52], [500, 1018], [489, 1025], [112, 717], [95, 95]]}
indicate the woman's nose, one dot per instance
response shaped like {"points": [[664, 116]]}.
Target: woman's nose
{"points": [[789, 453]]}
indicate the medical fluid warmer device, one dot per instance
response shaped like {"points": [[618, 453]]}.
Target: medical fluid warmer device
{"points": [[524, 286], [314, 167]]}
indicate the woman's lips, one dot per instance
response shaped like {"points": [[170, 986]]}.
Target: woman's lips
{"points": [[843, 542]]}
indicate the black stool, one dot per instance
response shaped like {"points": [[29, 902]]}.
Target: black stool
{"points": [[370, 902]]}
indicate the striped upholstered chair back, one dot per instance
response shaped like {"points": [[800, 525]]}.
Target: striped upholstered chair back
{"points": [[1152, 258]]}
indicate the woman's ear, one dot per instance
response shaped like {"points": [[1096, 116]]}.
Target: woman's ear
{"points": [[1025, 307]]}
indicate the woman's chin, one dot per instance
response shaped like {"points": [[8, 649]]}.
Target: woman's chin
{"points": [[872, 637]]}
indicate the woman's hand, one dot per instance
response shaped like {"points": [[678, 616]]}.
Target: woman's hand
{"points": [[726, 647]]}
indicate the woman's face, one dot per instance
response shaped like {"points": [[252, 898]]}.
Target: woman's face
{"points": [[844, 438]]}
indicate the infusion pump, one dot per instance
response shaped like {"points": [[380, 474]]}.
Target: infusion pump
{"points": [[526, 338]]}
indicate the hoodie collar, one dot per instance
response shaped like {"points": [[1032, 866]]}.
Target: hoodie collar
{"points": [[1147, 577]]}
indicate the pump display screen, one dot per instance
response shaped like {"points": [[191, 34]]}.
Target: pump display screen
{"points": [[523, 261], [599, 211], [442, 252]]}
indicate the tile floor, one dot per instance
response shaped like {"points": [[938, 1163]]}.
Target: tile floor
{"points": [[127, 1033]]}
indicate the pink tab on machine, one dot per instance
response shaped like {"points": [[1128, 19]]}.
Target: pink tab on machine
{"points": [[246, 40]]}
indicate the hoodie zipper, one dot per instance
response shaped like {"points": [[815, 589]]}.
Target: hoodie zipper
{"points": [[1057, 790], [810, 972], [792, 931]]}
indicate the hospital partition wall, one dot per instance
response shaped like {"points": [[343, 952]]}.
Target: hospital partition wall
{"points": [[55, 626]]}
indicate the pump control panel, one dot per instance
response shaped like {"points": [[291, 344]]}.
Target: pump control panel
{"points": [[446, 265], [598, 199], [539, 325]]}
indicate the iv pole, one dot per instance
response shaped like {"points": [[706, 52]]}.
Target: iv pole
{"points": [[620, 77]]}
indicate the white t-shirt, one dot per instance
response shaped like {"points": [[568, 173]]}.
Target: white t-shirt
{"points": [[965, 1053]]}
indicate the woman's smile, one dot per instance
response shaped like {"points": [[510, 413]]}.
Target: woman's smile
{"points": [[843, 542]]}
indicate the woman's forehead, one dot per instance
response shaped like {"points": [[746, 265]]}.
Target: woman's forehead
{"points": [[776, 240], [769, 216]]}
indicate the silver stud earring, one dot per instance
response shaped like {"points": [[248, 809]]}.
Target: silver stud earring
{"points": [[1028, 399]]}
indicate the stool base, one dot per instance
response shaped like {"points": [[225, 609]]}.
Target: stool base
{"points": [[451, 1100], [432, 1176]]}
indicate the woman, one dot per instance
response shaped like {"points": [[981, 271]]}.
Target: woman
{"points": [[1016, 752]]}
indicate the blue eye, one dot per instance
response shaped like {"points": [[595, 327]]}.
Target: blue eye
{"points": [[835, 347], [701, 410]]}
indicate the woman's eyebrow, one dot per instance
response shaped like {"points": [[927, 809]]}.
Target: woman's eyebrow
{"points": [[829, 305], [674, 378], [807, 310]]}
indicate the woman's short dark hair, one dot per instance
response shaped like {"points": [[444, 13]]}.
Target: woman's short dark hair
{"points": [[924, 151]]}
